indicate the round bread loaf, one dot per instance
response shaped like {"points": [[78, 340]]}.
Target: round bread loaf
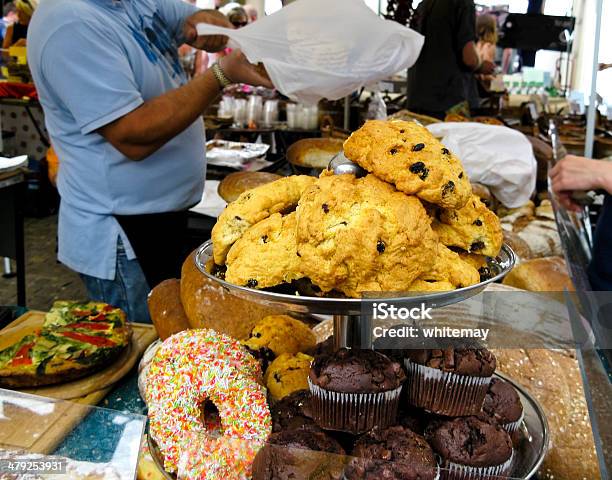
{"points": [[314, 152], [166, 309], [208, 305], [236, 183], [540, 275]]}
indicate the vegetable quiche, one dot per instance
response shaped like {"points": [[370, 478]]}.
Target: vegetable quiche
{"points": [[75, 340]]}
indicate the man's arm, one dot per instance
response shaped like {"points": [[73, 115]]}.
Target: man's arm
{"points": [[472, 60], [146, 129]]}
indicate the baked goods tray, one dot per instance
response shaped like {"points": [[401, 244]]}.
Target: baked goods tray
{"points": [[531, 442], [499, 267]]}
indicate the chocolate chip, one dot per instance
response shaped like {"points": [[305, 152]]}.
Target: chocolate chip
{"points": [[448, 188], [264, 239], [298, 254], [402, 131], [380, 246], [419, 168], [325, 207], [237, 218], [460, 175], [252, 283], [477, 246], [485, 273], [478, 222], [277, 377], [393, 151], [256, 335], [418, 147], [445, 151]]}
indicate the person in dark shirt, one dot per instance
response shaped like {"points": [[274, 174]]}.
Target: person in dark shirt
{"points": [[17, 33], [436, 82], [575, 173]]}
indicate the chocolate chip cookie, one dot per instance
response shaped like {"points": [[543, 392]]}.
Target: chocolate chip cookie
{"points": [[254, 206], [410, 157], [359, 235]]}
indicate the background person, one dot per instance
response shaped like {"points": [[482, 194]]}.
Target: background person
{"points": [[127, 125], [16, 33], [9, 16], [575, 173]]}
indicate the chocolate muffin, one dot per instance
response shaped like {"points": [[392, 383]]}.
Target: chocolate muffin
{"points": [[396, 453], [355, 390], [294, 454], [503, 403], [451, 382], [292, 412], [470, 447]]}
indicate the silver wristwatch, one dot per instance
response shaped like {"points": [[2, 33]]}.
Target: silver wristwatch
{"points": [[220, 75]]}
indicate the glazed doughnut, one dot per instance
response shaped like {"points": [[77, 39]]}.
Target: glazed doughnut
{"points": [[196, 366]]}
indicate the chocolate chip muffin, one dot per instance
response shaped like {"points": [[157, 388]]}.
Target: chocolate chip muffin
{"points": [[451, 382], [355, 390], [471, 447], [287, 374], [358, 235], [395, 453], [503, 403], [281, 334], [474, 228], [294, 454], [407, 155], [292, 412]]}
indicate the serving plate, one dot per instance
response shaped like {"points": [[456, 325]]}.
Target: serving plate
{"points": [[530, 446]]}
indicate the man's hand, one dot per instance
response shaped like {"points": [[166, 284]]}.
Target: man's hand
{"points": [[575, 173], [209, 43], [238, 70], [487, 68]]}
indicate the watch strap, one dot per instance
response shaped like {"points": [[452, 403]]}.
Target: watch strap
{"points": [[220, 75]]}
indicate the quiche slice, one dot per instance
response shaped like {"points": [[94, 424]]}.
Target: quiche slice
{"points": [[76, 339]]}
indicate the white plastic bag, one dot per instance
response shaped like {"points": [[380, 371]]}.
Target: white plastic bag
{"points": [[496, 156], [315, 49]]}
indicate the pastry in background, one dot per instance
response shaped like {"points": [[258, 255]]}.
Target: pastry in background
{"points": [[287, 374], [235, 184], [411, 158], [314, 152], [166, 309], [474, 228], [361, 235], [518, 245], [540, 275], [208, 304], [252, 207]]}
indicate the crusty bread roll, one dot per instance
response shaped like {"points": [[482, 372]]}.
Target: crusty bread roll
{"points": [[234, 184], [518, 245], [166, 309], [208, 305], [553, 378], [540, 275], [314, 152]]}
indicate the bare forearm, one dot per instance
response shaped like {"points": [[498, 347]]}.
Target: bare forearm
{"points": [[146, 129]]}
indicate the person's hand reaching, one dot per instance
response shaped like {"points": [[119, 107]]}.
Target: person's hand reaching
{"points": [[487, 68], [238, 70], [209, 43], [575, 173]]}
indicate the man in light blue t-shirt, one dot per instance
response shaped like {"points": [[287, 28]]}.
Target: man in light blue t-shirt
{"points": [[126, 125]]}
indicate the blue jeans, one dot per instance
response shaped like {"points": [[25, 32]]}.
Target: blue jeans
{"points": [[128, 290]]}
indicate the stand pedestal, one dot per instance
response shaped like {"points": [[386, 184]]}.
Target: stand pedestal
{"points": [[352, 331]]}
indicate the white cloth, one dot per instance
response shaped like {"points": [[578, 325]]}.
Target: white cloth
{"points": [[496, 156]]}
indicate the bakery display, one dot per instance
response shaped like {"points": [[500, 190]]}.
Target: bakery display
{"points": [[75, 340], [451, 382], [355, 380], [235, 184], [391, 230], [315, 153]]}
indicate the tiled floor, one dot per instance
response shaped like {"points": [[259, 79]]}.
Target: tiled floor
{"points": [[46, 279]]}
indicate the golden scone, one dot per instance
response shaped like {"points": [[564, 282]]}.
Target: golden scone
{"points": [[475, 260], [254, 206], [266, 255], [361, 235], [449, 267], [288, 374], [281, 334], [411, 158], [473, 228]]}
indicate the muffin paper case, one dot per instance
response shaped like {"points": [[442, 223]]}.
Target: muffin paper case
{"points": [[512, 427], [353, 412], [456, 471], [315, 49], [444, 393]]}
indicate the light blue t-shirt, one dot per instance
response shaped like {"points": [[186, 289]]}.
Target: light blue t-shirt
{"points": [[94, 61]]}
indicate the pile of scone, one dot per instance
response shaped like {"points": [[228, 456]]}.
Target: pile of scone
{"points": [[411, 224]]}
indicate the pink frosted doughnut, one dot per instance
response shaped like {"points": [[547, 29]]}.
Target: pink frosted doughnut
{"points": [[190, 368]]}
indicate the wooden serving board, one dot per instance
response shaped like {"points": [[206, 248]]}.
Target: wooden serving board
{"points": [[37, 427]]}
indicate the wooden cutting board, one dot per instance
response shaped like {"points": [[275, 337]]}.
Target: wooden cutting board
{"points": [[39, 427]]}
